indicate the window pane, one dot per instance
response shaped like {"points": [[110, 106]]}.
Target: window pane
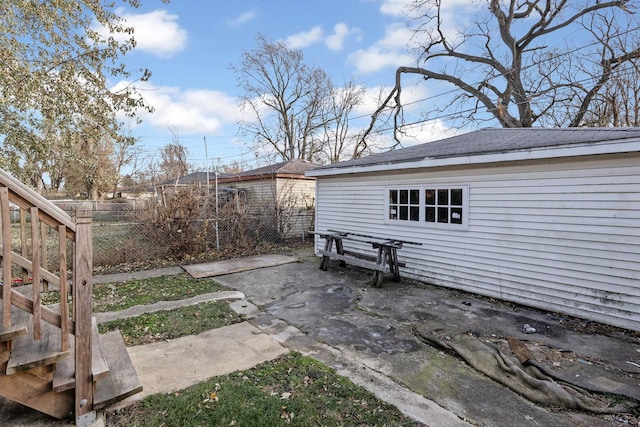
{"points": [[393, 196], [430, 214], [443, 197], [456, 196], [404, 197], [456, 215], [414, 197], [443, 215], [414, 213], [393, 212], [430, 198], [404, 213]]}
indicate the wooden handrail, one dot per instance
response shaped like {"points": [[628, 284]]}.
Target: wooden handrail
{"points": [[26, 264], [41, 211], [30, 260], [25, 198]]}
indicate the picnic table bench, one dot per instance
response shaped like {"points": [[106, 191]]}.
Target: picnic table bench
{"points": [[384, 261]]}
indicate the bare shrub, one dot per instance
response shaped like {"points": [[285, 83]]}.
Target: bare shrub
{"points": [[174, 224], [188, 224], [242, 228]]}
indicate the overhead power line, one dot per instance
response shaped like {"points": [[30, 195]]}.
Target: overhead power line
{"points": [[441, 117]]}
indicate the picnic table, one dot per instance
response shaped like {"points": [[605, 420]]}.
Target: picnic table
{"points": [[385, 249]]}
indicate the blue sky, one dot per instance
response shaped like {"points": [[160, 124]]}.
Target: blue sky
{"points": [[190, 45]]}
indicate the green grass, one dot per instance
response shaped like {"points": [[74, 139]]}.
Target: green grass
{"points": [[293, 390], [161, 325], [118, 296], [170, 324]]}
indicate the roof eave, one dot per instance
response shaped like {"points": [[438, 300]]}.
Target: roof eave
{"points": [[263, 177], [608, 147]]}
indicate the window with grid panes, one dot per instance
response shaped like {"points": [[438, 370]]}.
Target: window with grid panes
{"points": [[404, 204], [443, 205], [428, 205]]}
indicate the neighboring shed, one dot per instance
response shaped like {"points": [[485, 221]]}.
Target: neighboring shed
{"points": [[190, 180], [281, 190], [548, 218]]}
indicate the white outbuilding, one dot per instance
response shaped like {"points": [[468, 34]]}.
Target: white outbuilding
{"points": [[548, 218]]}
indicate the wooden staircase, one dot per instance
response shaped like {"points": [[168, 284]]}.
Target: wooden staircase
{"points": [[52, 358]]}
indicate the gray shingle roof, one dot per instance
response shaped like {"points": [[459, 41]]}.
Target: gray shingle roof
{"points": [[494, 141], [290, 167]]}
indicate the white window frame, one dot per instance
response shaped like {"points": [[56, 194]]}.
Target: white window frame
{"points": [[464, 225], [408, 204]]}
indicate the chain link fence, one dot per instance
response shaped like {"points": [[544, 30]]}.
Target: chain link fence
{"points": [[135, 234]]}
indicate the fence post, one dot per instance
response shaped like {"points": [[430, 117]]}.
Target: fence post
{"points": [[82, 284]]}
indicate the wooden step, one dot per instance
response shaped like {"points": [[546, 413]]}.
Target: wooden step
{"points": [[12, 332], [64, 374], [27, 353], [122, 380], [99, 366]]}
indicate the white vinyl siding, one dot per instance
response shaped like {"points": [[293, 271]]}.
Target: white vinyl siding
{"points": [[296, 197], [260, 194], [558, 235]]}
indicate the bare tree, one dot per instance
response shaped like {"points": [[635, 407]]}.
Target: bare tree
{"points": [[92, 171], [125, 153], [617, 103], [340, 143], [174, 159], [510, 65], [291, 103]]}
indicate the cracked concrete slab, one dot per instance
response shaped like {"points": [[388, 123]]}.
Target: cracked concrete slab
{"points": [[338, 309]]}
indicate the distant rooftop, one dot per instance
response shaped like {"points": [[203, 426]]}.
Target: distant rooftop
{"points": [[292, 168]]}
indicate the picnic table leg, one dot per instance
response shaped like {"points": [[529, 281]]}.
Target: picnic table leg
{"points": [[390, 261], [393, 263], [340, 250], [378, 275], [325, 258]]}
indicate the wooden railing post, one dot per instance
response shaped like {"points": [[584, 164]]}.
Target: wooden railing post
{"points": [[35, 260], [6, 256], [64, 289], [82, 288]]}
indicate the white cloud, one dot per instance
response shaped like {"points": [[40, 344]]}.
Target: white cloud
{"points": [[242, 19], [412, 93], [431, 130], [397, 36], [417, 131], [374, 59], [455, 15], [395, 7], [391, 51], [304, 38], [336, 40], [197, 111], [157, 32]]}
